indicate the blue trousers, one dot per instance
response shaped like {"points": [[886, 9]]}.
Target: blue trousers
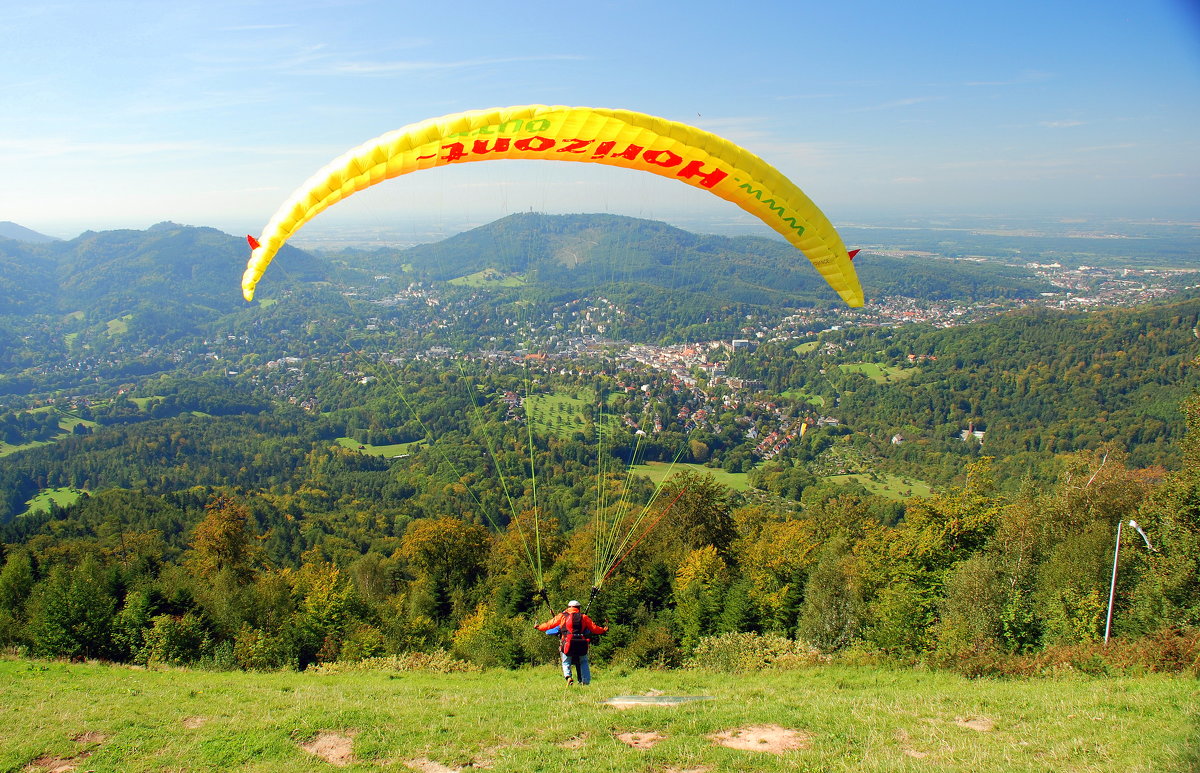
{"points": [[581, 666]]}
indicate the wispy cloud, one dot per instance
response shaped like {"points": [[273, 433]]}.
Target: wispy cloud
{"points": [[405, 67], [257, 28], [899, 103], [1029, 76], [1063, 124], [1107, 148]]}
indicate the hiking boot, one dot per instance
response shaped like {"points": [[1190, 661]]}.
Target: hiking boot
{"points": [[570, 681]]}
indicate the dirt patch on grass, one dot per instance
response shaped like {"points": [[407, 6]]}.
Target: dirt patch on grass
{"points": [[772, 739], [574, 742], [640, 740], [191, 723], [429, 766], [906, 745], [52, 764], [335, 748], [49, 763], [979, 724], [652, 698]]}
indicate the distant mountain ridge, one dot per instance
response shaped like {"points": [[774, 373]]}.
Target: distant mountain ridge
{"points": [[168, 264], [582, 252], [639, 262], [19, 233]]}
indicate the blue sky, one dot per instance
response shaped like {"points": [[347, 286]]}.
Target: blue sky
{"points": [[124, 114]]}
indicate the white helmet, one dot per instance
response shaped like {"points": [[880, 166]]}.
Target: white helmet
{"points": [[572, 603]]}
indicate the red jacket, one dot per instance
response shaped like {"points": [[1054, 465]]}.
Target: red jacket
{"points": [[562, 620]]}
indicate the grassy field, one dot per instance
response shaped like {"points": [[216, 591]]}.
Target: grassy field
{"points": [[880, 374], [119, 326], [6, 448], [890, 486], [395, 449], [560, 414], [66, 422], [58, 496], [800, 394], [489, 277], [659, 471], [106, 718]]}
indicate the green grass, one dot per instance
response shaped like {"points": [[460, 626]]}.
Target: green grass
{"points": [[891, 486], [660, 471], [800, 394], [489, 277], [394, 449], [806, 348], [8, 448], [855, 719], [66, 423], [880, 374], [560, 414], [58, 496], [119, 326]]}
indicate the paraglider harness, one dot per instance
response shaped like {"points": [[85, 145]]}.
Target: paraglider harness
{"points": [[575, 639]]}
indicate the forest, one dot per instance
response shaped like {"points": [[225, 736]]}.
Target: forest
{"points": [[969, 576], [225, 502]]}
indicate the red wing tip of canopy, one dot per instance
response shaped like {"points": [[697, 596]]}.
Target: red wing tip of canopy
{"points": [[254, 245], [852, 253]]}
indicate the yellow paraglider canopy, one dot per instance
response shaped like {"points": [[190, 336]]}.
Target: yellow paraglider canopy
{"points": [[594, 135]]}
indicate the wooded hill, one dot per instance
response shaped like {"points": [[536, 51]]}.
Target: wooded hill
{"points": [[222, 522], [1034, 381]]}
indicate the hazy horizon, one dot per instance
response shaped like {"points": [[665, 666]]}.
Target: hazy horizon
{"points": [[122, 115]]}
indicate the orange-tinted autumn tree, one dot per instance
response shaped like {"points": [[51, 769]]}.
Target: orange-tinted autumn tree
{"points": [[447, 558], [222, 542]]}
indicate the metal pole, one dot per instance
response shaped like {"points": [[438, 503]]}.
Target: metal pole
{"points": [[1112, 588]]}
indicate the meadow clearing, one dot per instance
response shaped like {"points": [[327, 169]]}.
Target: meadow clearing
{"points": [[92, 716]]}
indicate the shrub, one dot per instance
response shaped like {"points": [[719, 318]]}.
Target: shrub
{"points": [[654, 646], [741, 652], [439, 662], [176, 640], [1169, 650], [362, 641], [971, 608], [258, 650], [490, 639]]}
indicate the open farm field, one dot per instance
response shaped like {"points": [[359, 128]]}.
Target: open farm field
{"points": [[389, 451], [880, 374], [561, 414], [660, 471], [800, 394], [887, 485], [8, 448], [828, 718], [56, 496], [489, 277]]}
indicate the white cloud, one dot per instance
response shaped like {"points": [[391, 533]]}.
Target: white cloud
{"points": [[409, 66], [898, 103]]}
